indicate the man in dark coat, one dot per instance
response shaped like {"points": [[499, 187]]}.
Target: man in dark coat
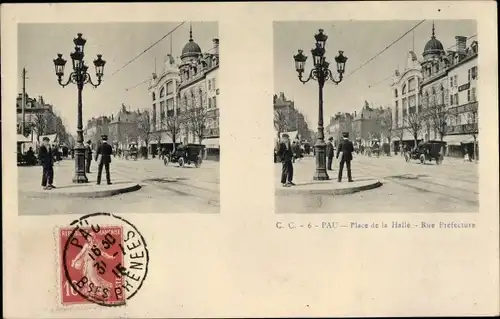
{"points": [[88, 156], [285, 153], [46, 158], [329, 152], [103, 158], [346, 148]]}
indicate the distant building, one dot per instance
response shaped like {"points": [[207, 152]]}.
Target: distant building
{"points": [[96, 127], [288, 119], [123, 128], [370, 124], [39, 118], [339, 123]]}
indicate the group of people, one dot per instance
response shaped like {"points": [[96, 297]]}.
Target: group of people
{"points": [[47, 158], [286, 154]]}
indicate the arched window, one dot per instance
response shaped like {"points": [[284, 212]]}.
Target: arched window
{"points": [[403, 91], [162, 92]]}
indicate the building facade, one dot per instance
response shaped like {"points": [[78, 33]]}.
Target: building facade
{"points": [[370, 124], [405, 89], [96, 127], [445, 96], [288, 119], [164, 93], [39, 119], [198, 95], [339, 123], [123, 128]]}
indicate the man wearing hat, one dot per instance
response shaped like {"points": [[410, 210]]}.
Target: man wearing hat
{"points": [[103, 158], [329, 152], [285, 153], [88, 156], [46, 157], [346, 147]]}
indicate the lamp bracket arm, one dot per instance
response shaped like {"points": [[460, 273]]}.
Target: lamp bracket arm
{"points": [[311, 75], [329, 76], [71, 79], [88, 79]]}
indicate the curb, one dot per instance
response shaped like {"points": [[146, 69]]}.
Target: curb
{"points": [[333, 192], [93, 194]]}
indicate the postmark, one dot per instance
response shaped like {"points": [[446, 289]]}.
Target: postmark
{"points": [[104, 260]]}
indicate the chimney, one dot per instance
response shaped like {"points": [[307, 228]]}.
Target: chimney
{"points": [[461, 44], [216, 45]]}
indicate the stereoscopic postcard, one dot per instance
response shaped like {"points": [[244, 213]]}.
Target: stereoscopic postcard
{"points": [[138, 180]]}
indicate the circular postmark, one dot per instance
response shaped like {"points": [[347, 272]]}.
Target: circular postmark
{"points": [[105, 259]]}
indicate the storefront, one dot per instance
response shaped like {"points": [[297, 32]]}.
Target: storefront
{"points": [[459, 145], [212, 148]]}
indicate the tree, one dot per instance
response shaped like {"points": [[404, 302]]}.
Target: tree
{"points": [[40, 122], [172, 125], [280, 121], [60, 130], [387, 125], [438, 114], [414, 122], [196, 119], [144, 128]]}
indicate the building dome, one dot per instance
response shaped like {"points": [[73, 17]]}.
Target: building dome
{"points": [[433, 46], [191, 49]]}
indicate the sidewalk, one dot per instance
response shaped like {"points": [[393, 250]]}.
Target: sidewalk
{"points": [[447, 161], [29, 183], [303, 171]]}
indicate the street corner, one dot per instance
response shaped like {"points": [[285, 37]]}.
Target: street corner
{"points": [[86, 190], [328, 187]]}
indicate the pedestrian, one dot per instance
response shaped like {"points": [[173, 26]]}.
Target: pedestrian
{"points": [[103, 159], [88, 155], [46, 158], [329, 152], [346, 148], [286, 155]]}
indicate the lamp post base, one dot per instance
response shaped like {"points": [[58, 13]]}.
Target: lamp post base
{"points": [[320, 174], [80, 176]]}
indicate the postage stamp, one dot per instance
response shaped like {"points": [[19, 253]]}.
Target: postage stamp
{"points": [[103, 259]]}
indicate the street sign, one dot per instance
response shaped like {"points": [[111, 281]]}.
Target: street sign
{"points": [[463, 87]]}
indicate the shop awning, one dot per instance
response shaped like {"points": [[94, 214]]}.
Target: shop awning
{"points": [[52, 138], [211, 142], [458, 139]]}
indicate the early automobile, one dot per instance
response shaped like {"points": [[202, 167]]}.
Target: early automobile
{"points": [[427, 152], [186, 155]]}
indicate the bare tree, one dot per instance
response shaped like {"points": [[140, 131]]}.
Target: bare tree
{"points": [[196, 119], [414, 122], [60, 130], [40, 123], [387, 126], [144, 128], [172, 125], [280, 121], [438, 115]]}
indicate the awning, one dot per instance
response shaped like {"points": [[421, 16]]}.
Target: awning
{"points": [[211, 142], [52, 137], [23, 139], [458, 139], [292, 134]]}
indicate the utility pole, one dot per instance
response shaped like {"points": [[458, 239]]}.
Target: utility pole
{"points": [[23, 100]]}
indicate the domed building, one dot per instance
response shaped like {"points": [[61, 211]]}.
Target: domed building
{"points": [[198, 94]]}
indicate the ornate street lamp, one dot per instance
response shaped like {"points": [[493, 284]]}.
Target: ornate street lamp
{"points": [[80, 77], [321, 73]]}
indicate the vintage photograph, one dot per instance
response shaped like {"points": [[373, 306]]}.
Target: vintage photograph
{"points": [[118, 117], [379, 121]]}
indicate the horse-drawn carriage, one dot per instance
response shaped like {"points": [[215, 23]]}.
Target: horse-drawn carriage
{"points": [[132, 152], [189, 154], [427, 152], [373, 149]]}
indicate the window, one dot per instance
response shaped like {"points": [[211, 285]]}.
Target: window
{"points": [[170, 87], [162, 92], [213, 84], [451, 82], [412, 101], [215, 101], [469, 75], [209, 103], [456, 99], [452, 101], [396, 93], [472, 73], [468, 95], [170, 104], [403, 91], [473, 95], [396, 115], [411, 85], [154, 96], [162, 110], [209, 84]]}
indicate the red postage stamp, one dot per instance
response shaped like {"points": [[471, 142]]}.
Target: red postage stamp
{"points": [[91, 260]]}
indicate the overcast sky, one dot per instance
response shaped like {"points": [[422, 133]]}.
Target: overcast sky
{"points": [[360, 41], [38, 45]]}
